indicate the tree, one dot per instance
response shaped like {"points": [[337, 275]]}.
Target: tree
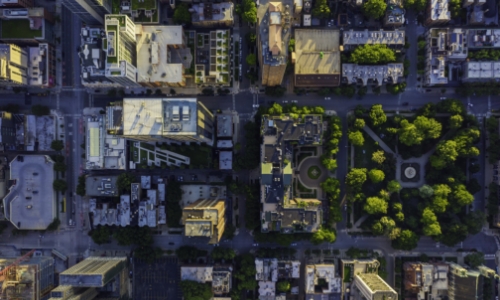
{"points": [[378, 156], [372, 54], [54, 225], [456, 121], [374, 8], [283, 286], [329, 163], [474, 260], [407, 240], [100, 235], [473, 186], [429, 128], [323, 235], [377, 114], [60, 185], [331, 186], [220, 253], [193, 290], [182, 14], [124, 181], [416, 5], [229, 231], [355, 178], [475, 221], [426, 191], [57, 145], [461, 196], [359, 123], [356, 138], [276, 109], [408, 133], [249, 13], [375, 205], [60, 167], [80, 188], [376, 176], [440, 199], [321, 9], [251, 59], [393, 186], [431, 225], [40, 110]]}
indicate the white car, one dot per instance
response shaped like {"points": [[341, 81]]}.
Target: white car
{"points": [[328, 98], [470, 104], [442, 98], [294, 244], [256, 245]]}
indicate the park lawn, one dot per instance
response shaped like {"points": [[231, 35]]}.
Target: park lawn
{"points": [[363, 154], [19, 29], [311, 170]]}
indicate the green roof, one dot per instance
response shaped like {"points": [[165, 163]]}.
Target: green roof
{"points": [[267, 168], [19, 29], [144, 4]]}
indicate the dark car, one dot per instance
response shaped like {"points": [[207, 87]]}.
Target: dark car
{"points": [[405, 103]]}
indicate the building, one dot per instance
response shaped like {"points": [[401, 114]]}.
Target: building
{"points": [[89, 11], [93, 58], [437, 12], [31, 203], [320, 281], [474, 71], [371, 286], [31, 278], [426, 280], [208, 14], [213, 59], [281, 210], [17, 3], [218, 276], [316, 58], [464, 284], [162, 56], [269, 271], [141, 11], [7, 131], [395, 14], [393, 39], [443, 45], [101, 186], [95, 276], [483, 38], [365, 74], [161, 119], [273, 36], [121, 50], [103, 151], [206, 217], [13, 65], [26, 26], [481, 12]]}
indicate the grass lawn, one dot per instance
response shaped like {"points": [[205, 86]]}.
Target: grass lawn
{"points": [[347, 274], [151, 156], [363, 154], [143, 154], [18, 29], [116, 7], [148, 146], [314, 172], [144, 4]]}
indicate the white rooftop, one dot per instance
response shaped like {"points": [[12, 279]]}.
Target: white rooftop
{"points": [[390, 38], [103, 151], [198, 274], [225, 160]]}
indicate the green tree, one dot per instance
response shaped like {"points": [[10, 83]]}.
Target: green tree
{"points": [[329, 163], [461, 196], [474, 260], [475, 221], [355, 178], [473, 186], [80, 188], [275, 110], [331, 186], [446, 152], [182, 14], [283, 286], [456, 121], [359, 123], [431, 225], [374, 8], [100, 235], [426, 191], [323, 235], [251, 59], [60, 167], [409, 134], [440, 199], [375, 205], [407, 240], [321, 9], [377, 115], [429, 128], [372, 54], [378, 156], [393, 186], [221, 253], [124, 181], [193, 290], [54, 225], [60, 185], [57, 145], [249, 13], [376, 176], [356, 138]]}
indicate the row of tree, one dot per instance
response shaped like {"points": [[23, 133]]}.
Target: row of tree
{"points": [[331, 143]]}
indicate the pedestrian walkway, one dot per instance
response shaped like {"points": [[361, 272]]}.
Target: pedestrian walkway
{"points": [[380, 142]]}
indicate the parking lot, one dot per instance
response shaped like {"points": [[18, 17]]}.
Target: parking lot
{"points": [[157, 281]]}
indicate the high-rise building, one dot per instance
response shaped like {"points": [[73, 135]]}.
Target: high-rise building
{"points": [[161, 119], [26, 26], [89, 11], [13, 65], [121, 50], [30, 279]]}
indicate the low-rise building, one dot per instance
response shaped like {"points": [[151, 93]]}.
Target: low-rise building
{"points": [[208, 14], [26, 26], [352, 39], [474, 71], [316, 58], [269, 271], [218, 276], [483, 38], [443, 45], [17, 3], [426, 280], [213, 58], [365, 74], [437, 12], [101, 186], [371, 287], [103, 151], [395, 14], [93, 58], [141, 11], [320, 281], [464, 284], [31, 202]]}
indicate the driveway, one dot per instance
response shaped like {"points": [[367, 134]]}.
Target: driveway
{"points": [[304, 178]]}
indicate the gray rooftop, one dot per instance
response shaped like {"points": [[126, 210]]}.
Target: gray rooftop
{"points": [[103, 186], [30, 203], [93, 272]]}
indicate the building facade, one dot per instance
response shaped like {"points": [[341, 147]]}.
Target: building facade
{"points": [[208, 14], [89, 11], [379, 75]]}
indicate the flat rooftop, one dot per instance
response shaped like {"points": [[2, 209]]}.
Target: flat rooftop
{"points": [[389, 38], [224, 125], [158, 116], [30, 204], [198, 274], [103, 151], [317, 61], [22, 29], [93, 271], [483, 38], [212, 11], [103, 186]]}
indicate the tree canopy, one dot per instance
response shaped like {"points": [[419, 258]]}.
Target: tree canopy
{"points": [[193, 290], [60, 185], [57, 145], [377, 115], [375, 205], [359, 123], [249, 11], [323, 235], [393, 186], [376, 176], [374, 8], [375, 54], [124, 181], [356, 138], [321, 9], [474, 260], [426, 191], [431, 224], [355, 178], [331, 186], [378, 157], [416, 5], [251, 59], [283, 286], [182, 14], [407, 240], [422, 128]]}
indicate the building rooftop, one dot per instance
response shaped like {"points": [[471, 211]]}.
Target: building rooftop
{"points": [[13, 63], [389, 73], [317, 57], [483, 38], [221, 280], [274, 31], [157, 58], [103, 151], [439, 10], [212, 12], [372, 284], [93, 272], [30, 203], [101, 186], [266, 269], [483, 70], [316, 274], [225, 160], [389, 38], [92, 55], [225, 125], [267, 290], [198, 274]]}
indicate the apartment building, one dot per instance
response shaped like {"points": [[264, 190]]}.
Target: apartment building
{"points": [[89, 11], [208, 14], [316, 58], [26, 26], [271, 270], [321, 282], [483, 38], [218, 276], [13, 65], [437, 12], [141, 11], [426, 280], [93, 58], [395, 14], [371, 287], [394, 39], [213, 58], [474, 71], [17, 3], [103, 151], [379, 75], [282, 208]]}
